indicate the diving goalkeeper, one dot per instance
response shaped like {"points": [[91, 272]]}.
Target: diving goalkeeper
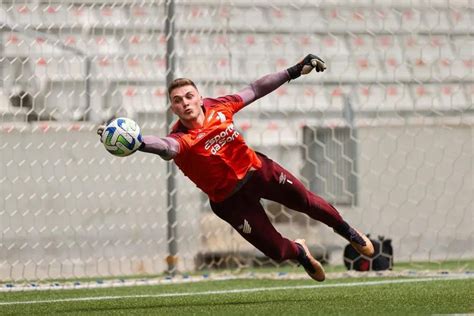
{"points": [[208, 149]]}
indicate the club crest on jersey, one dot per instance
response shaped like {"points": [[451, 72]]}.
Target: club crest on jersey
{"points": [[221, 117]]}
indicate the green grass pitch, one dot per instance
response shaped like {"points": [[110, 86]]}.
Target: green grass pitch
{"points": [[346, 296]]}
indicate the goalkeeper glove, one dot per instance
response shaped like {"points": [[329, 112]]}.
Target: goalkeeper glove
{"points": [[306, 65], [100, 130]]}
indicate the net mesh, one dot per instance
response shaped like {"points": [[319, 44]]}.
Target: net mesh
{"points": [[385, 134]]}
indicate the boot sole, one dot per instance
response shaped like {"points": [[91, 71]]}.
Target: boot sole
{"points": [[367, 250], [319, 275]]}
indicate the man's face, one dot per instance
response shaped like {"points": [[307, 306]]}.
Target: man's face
{"points": [[186, 103]]}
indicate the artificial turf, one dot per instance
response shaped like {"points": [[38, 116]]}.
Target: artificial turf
{"points": [[353, 296]]}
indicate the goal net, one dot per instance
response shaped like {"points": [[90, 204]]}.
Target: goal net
{"points": [[385, 134]]}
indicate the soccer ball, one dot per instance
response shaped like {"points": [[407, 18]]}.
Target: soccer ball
{"points": [[122, 137]]}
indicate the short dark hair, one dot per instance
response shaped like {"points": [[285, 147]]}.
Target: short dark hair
{"points": [[180, 82]]}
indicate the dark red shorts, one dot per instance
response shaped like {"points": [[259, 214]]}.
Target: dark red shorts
{"points": [[245, 213]]}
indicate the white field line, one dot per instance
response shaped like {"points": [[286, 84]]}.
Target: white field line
{"points": [[235, 291]]}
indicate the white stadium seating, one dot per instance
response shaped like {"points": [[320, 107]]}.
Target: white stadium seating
{"points": [[391, 47]]}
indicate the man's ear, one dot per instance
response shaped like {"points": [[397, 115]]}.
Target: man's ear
{"points": [[173, 110]]}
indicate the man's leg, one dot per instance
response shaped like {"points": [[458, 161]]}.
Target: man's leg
{"points": [[281, 186], [245, 214]]}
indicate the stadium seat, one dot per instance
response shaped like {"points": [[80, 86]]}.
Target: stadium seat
{"points": [[461, 19], [194, 17], [134, 99], [218, 68], [159, 99], [440, 46], [74, 41], [365, 58], [137, 68], [469, 92], [280, 45], [456, 69], [159, 67], [20, 45], [387, 44], [27, 14], [249, 18], [388, 21], [244, 68], [111, 16], [107, 68], [145, 44], [272, 132], [435, 19], [311, 98], [369, 97], [216, 90], [428, 48], [452, 97], [146, 15], [332, 45], [341, 69], [283, 18], [423, 55], [422, 69], [346, 18], [411, 19], [54, 15], [463, 46], [80, 16], [41, 45], [397, 98], [189, 44], [47, 68], [15, 44], [103, 45], [310, 19], [426, 97], [392, 67], [142, 99], [5, 17], [382, 98], [304, 43], [284, 100], [361, 44], [65, 68], [219, 44], [337, 96], [396, 68], [250, 45], [368, 68]]}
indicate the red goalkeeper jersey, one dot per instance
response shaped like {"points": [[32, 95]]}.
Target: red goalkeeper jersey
{"points": [[215, 157]]}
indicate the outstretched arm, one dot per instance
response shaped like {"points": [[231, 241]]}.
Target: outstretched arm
{"points": [[166, 147], [271, 82]]}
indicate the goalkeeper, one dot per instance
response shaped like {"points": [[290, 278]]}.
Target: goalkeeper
{"points": [[208, 149]]}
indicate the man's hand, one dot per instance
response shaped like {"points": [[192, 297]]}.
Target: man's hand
{"points": [[100, 130], [306, 65]]}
